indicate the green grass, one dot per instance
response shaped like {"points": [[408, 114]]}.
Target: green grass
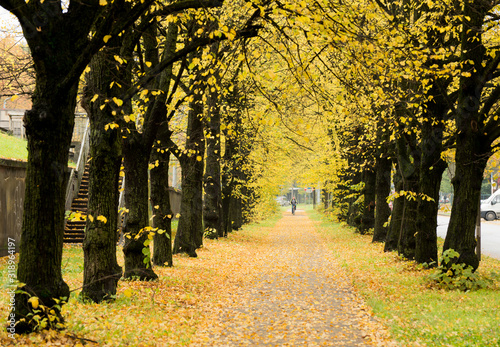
{"points": [[399, 293], [13, 148]]}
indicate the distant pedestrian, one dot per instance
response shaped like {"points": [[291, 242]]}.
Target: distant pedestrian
{"points": [[294, 204]]}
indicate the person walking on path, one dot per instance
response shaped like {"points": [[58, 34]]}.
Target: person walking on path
{"points": [[294, 204], [297, 295]]}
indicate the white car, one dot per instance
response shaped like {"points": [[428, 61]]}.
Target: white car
{"points": [[490, 208], [282, 201]]}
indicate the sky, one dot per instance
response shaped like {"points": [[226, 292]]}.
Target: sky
{"points": [[8, 22]]}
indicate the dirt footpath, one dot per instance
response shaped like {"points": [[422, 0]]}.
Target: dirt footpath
{"points": [[300, 297]]}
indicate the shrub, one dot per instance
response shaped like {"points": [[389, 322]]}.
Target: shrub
{"points": [[451, 275]]}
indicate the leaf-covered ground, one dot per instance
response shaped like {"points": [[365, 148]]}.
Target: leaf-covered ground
{"points": [[299, 296], [276, 285], [284, 282]]}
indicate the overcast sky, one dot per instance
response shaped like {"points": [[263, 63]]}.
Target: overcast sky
{"points": [[8, 22]]}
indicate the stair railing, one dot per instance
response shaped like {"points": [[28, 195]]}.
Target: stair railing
{"points": [[75, 176], [122, 216]]}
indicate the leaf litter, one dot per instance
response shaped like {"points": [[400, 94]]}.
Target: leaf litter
{"points": [[260, 286], [298, 295]]}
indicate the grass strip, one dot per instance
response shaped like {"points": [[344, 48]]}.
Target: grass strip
{"points": [[416, 313], [13, 148]]}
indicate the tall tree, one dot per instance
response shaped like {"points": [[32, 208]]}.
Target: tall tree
{"points": [[189, 234], [383, 168], [476, 120], [159, 173], [61, 47], [101, 270], [212, 208]]}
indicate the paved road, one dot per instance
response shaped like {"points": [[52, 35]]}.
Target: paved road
{"points": [[490, 235]]}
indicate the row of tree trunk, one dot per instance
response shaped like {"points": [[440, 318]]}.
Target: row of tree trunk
{"points": [[414, 157], [123, 60]]}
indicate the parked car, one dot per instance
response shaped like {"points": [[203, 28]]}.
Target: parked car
{"points": [[490, 208], [282, 201]]}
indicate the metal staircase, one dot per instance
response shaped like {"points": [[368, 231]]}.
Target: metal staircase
{"points": [[75, 230]]}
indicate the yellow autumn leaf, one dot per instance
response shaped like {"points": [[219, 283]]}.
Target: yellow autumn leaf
{"points": [[103, 2], [106, 38], [199, 158], [34, 302], [94, 98], [148, 64], [118, 102], [118, 59], [102, 219], [127, 292], [91, 218]]}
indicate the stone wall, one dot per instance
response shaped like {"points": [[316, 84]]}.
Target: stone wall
{"points": [[12, 186]]}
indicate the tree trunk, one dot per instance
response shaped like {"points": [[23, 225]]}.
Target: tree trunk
{"points": [[189, 234], [227, 188], [409, 164], [324, 196], [101, 270], [61, 47], [49, 126], [368, 213], [431, 172], [382, 191], [470, 164], [136, 161], [160, 199], [397, 216], [426, 237], [473, 146], [160, 193], [212, 209], [228, 179], [354, 209]]}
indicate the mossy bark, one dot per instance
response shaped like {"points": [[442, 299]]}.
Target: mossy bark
{"points": [[474, 139], [55, 45], [368, 210], [49, 125], [212, 208], [160, 200], [382, 191], [409, 164], [432, 167], [137, 263], [189, 234], [101, 269]]}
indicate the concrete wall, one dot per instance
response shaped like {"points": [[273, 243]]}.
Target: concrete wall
{"points": [[175, 200], [12, 186], [12, 174]]}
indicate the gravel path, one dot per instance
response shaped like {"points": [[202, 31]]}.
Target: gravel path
{"points": [[300, 297]]}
